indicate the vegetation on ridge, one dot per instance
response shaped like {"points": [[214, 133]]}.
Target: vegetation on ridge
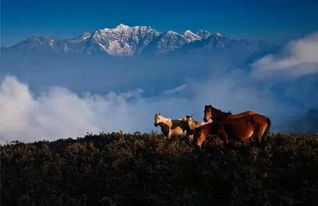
{"points": [[145, 169]]}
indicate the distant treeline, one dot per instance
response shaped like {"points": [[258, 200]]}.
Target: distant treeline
{"points": [[145, 169]]}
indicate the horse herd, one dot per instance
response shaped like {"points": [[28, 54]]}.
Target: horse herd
{"points": [[242, 126]]}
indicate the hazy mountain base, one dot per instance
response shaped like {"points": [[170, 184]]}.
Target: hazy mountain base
{"points": [[307, 122], [101, 73], [145, 169]]}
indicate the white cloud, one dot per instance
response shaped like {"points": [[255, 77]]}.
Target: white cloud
{"points": [[298, 58], [176, 90], [60, 113]]}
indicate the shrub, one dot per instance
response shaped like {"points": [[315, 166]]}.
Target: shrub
{"points": [[146, 169]]}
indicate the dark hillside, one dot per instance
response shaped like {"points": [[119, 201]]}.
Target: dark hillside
{"points": [[145, 169]]}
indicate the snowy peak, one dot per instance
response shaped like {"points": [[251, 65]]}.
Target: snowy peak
{"points": [[218, 34], [124, 40], [172, 33], [189, 36], [85, 35], [122, 27]]}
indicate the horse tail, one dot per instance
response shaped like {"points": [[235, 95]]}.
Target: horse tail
{"points": [[268, 128]]}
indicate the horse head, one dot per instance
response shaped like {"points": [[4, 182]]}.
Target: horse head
{"points": [[207, 112], [190, 122], [213, 113], [158, 119]]}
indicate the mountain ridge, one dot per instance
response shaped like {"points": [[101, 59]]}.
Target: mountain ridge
{"points": [[125, 40]]}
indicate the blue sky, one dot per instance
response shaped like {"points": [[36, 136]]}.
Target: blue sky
{"points": [[274, 21]]}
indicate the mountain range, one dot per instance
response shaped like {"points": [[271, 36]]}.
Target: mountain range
{"points": [[125, 40]]}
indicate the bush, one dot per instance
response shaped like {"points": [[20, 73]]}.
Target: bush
{"points": [[146, 169]]}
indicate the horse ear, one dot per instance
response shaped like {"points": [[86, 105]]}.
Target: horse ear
{"points": [[159, 113]]}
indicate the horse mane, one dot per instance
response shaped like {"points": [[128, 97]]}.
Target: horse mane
{"points": [[220, 111]]}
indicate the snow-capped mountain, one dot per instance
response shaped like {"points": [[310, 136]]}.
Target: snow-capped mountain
{"points": [[123, 40]]}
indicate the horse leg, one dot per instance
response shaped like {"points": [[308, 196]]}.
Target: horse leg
{"points": [[201, 139], [169, 133], [190, 134], [164, 130], [265, 134], [262, 130], [259, 134], [224, 136], [190, 137]]}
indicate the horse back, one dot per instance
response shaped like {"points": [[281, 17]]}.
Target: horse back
{"points": [[245, 120], [179, 123], [207, 128], [243, 114]]}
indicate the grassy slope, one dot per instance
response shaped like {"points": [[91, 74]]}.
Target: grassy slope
{"points": [[145, 169]]}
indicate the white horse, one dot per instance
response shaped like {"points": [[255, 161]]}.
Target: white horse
{"points": [[170, 127]]}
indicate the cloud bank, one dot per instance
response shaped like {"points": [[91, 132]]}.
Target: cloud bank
{"points": [[298, 58], [60, 113]]}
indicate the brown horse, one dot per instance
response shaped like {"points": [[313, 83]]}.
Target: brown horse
{"points": [[216, 114], [242, 128]]}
